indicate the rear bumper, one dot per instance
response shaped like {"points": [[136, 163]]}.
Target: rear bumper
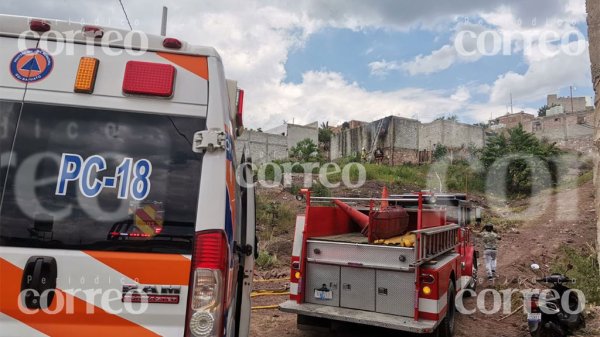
{"points": [[360, 317]]}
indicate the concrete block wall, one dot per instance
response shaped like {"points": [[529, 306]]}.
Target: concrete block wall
{"points": [[403, 138], [579, 103], [450, 134], [565, 126], [264, 147], [297, 133]]}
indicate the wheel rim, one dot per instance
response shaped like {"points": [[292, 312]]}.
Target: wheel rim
{"points": [[474, 271], [451, 308]]}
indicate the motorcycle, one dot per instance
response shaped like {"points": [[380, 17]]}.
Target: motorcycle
{"points": [[547, 317]]}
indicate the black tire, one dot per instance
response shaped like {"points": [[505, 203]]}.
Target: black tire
{"points": [[473, 285], [446, 328]]}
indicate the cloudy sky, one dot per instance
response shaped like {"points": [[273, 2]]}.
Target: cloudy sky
{"points": [[336, 60]]}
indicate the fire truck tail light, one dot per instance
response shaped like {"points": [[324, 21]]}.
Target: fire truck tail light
{"points": [[37, 25], [146, 78], [86, 75], [427, 278], [207, 289], [240, 109], [426, 290]]}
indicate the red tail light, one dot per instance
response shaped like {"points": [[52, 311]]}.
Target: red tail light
{"points": [[210, 266], [93, 31], [240, 109], [534, 304], [37, 25], [172, 43], [146, 78]]}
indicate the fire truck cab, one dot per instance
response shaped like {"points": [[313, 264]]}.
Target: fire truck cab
{"points": [[340, 273], [120, 211]]}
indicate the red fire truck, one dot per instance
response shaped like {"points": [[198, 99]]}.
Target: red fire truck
{"points": [[343, 271]]}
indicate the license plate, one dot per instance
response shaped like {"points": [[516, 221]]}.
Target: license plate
{"points": [[534, 317], [324, 295]]}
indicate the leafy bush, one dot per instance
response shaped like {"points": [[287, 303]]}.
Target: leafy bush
{"points": [[521, 158], [585, 271], [305, 151], [266, 260], [439, 152]]}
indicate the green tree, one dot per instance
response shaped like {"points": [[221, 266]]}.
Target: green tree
{"points": [[306, 150], [325, 133], [439, 152], [544, 110], [453, 118], [522, 159]]}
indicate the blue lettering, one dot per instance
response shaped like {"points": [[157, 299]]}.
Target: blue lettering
{"points": [[91, 190], [70, 168]]}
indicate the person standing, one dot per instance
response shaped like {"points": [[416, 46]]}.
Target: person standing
{"points": [[490, 249]]}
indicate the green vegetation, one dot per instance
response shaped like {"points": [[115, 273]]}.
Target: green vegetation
{"points": [[305, 151], [544, 109], [439, 152], [325, 134], [525, 162], [265, 260], [273, 218], [585, 270]]}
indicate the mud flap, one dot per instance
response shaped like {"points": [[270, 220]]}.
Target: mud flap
{"points": [[534, 326]]}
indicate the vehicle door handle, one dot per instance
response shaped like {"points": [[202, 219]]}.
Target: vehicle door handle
{"points": [[39, 282]]}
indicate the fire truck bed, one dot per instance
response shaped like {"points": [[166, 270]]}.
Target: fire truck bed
{"points": [[360, 317], [355, 237]]}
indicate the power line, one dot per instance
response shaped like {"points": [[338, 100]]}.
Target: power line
{"points": [[125, 12]]}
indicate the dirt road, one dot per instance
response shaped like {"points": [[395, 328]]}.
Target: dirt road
{"points": [[538, 240]]}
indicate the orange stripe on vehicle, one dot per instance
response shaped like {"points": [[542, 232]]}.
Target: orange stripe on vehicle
{"points": [[163, 269], [83, 319], [195, 64]]}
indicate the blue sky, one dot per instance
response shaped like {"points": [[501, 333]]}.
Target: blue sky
{"points": [[337, 60]]}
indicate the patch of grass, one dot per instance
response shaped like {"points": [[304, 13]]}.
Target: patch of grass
{"points": [[266, 260], [319, 190], [273, 218], [585, 177], [585, 270], [500, 224]]}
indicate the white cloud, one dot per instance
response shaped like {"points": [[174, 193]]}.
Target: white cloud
{"points": [[545, 75], [255, 38], [462, 94], [438, 60], [383, 67]]}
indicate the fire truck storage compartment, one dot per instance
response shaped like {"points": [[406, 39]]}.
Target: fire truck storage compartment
{"points": [[323, 278], [395, 293], [384, 291], [352, 249], [358, 288], [360, 275]]}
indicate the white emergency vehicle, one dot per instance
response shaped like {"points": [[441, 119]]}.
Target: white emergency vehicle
{"points": [[120, 211]]}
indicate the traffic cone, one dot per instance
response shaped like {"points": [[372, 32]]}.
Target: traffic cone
{"points": [[385, 195]]}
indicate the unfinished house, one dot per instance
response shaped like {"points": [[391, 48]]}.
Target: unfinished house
{"points": [[404, 140]]}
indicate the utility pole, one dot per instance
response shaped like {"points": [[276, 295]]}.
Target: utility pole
{"points": [[572, 109], [511, 104], [163, 26]]}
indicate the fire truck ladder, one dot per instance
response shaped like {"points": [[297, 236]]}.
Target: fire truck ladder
{"points": [[433, 242]]}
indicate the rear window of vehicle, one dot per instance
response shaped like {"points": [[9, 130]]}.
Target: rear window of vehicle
{"points": [[95, 179]]}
